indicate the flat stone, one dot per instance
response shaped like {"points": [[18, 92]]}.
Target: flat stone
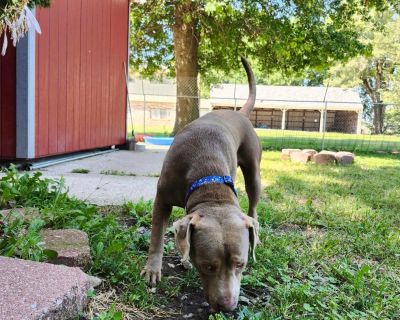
{"points": [[324, 158], [286, 153], [34, 290], [300, 157], [311, 152], [344, 157], [328, 152], [71, 245]]}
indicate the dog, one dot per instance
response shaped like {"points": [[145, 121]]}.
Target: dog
{"points": [[198, 174]]}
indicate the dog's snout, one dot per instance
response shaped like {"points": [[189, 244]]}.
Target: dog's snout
{"points": [[227, 303]]}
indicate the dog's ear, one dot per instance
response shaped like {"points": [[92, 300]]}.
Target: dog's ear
{"points": [[254, 229], [183, 232]]}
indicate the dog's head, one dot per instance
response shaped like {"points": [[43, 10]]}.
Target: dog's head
{"points": [[218, 245]]}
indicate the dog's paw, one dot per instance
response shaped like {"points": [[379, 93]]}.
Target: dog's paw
{"points": [[151, 274]]}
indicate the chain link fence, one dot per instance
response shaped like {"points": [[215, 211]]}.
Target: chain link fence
{"points": [[284, 116]]}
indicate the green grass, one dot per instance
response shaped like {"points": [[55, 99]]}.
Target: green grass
{"points": [[117, 173], [278, 139], [80, 170], [330, 242], [272, 139]]}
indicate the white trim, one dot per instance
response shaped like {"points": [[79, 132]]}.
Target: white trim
{"points": [[25, 87]]}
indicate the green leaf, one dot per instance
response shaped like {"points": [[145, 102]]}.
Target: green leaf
{"points": [[50, 254]]}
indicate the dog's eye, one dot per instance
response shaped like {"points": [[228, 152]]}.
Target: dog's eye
{"points": [[239, 265], [209, 268]]}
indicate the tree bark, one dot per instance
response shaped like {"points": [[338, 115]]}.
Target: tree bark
{"points": [[186, 44], [378, 107]]}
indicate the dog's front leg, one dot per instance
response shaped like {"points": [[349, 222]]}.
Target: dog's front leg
{"points": [[161, 214]]}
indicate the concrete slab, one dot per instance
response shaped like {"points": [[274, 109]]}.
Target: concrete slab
{"points": [[33, 290], [144, 163], [131, 176]]}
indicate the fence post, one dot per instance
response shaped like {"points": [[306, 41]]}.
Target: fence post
{"points": [[144, 109], [325, 116], [283, 124], [234, 95]]}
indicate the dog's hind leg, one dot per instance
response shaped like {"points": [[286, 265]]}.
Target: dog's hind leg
{"points": [[161, 214]]}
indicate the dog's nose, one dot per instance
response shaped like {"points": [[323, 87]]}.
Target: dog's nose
{"points": [[227, 304]]}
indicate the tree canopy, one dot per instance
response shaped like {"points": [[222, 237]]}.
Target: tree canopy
{"points": [[377, 73], [185, 38]]}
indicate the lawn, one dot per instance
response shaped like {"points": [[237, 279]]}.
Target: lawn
{"points": [[272, 139], [330, 245], [278, 139]]}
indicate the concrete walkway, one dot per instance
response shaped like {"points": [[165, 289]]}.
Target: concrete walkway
{"points": [[113, 178]]}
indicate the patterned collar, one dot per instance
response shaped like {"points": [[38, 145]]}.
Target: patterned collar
{"points": [[210, 180]]}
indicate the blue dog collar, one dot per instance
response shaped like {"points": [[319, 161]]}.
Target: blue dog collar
{"points": [[210, 180]]}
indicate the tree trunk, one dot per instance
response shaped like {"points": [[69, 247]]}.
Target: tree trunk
{"points": [[186, 44], [378, 107]]}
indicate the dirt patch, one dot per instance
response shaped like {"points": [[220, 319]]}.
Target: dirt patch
{"points": [[310, 232]]}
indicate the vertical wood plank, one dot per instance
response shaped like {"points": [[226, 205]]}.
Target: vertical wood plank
{"points": [[62, 77]]}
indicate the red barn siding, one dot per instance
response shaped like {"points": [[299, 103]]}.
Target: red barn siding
{"points": [[80, 80], [8, 103]]}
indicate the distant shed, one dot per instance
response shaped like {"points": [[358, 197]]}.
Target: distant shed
{"points": [[295, 107], [64, 90]]}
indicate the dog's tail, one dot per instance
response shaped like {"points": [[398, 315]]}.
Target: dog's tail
{"points": [[249, 105]]}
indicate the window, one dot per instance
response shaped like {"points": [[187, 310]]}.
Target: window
{"points": [[162, 114]]}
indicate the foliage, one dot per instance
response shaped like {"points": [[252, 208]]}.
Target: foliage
{"points": [[277, 35], [329, 245], [16, 18], [21, 239], [376, 73], [185, 38]]}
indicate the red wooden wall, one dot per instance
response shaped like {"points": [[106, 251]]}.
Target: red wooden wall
{"points": [[80, 80], [7, 103]]}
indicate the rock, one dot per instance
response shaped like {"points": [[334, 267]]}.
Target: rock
{"points": [[205, 304], [199, 310], [327, 152], [187, 316], [171, 265], [300, 156], [344, 157], [71, 245], [94, 281], [244, 299], [153, 290], [311, 152], [35, 290], [186, 264], [324, 158], [286, 153]]}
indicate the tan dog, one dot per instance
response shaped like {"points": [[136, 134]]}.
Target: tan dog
{"points": [[214, 234]]}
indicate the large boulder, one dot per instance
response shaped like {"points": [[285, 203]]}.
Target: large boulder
{"points": [[311, 152], [300, 157], [286, 153], [324, 158], [71, 245], [33, 290], [344, 157]]}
